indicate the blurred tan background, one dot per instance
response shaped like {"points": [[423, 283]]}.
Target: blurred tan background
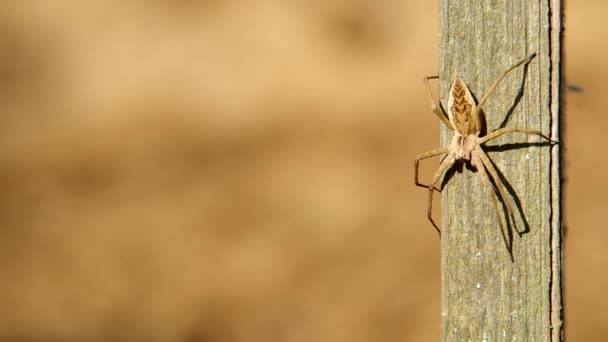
{"points": [[227, 170]]}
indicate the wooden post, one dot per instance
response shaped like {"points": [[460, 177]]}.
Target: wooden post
{"points": [[486, 295]]}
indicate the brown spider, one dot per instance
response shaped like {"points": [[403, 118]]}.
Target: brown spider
{"points": [[463, 118]]}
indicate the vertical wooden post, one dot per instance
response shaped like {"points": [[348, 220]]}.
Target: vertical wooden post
{"points": [[486, 295]]}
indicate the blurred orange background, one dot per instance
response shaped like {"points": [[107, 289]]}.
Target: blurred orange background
{"points": [[242, 171]]}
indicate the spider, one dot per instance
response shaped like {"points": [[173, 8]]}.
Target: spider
{"points": [[464, 119]]}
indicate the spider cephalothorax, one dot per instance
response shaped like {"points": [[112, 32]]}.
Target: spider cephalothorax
{"points": [[463, 118]]}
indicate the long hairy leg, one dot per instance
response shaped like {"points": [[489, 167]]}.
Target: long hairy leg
{"points": [[437, 109], [485, 179], [493, 86], [443, 167], [426, 155], [495, 134], [494, 175]]}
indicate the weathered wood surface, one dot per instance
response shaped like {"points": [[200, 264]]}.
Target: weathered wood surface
{"points": [[486, 295]]}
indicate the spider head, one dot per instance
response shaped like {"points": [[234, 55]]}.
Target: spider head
{"points": [[463, 145]]}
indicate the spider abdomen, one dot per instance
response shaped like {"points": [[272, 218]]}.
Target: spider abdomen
{"points": [[461, 109]]}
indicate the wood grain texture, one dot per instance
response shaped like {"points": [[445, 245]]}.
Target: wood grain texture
{"points": [[486, 296]]}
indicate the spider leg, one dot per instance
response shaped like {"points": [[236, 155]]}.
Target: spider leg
{"points": [[445, 164], [476, 157], [501, 131], [437, 109], [493, 86], [494, 174], [426, 155]]}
